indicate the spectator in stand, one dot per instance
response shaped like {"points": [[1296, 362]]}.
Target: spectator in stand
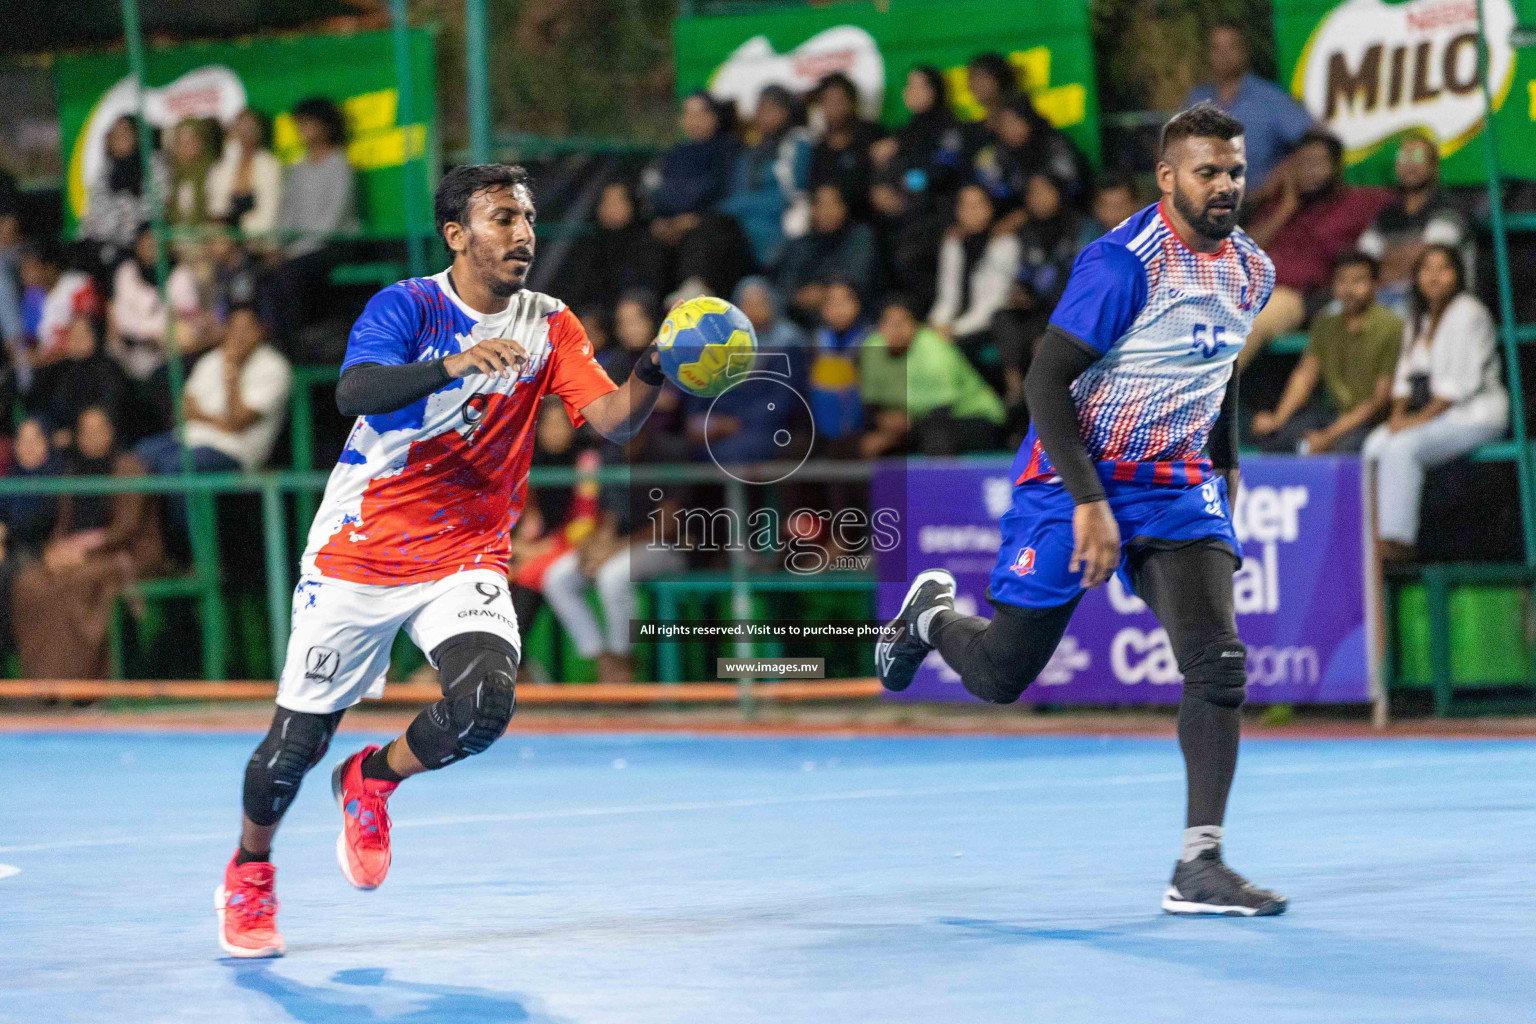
{"points": [[618, 256], [136, 332], [1421, 214], [921, 394], [909, 229], [56, 295], [1273, 122], [117, 201], [1353, 354], [705, 250], [842, 153], [1114, 201], [768, 185], [1050, 240], [13, 327], [319, 201], [234, 277], [928, 153], [756, 297], [994, 83], [245, 186], [1313, 220], [234, 403], [26, 520], [100, 543], [977, 268], [194, 147], [85, 378], [835, 248], [634, 325], [1447, 395], [834, 369], [1024, 144]]}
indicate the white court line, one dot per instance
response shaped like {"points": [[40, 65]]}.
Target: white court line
{"points": [[776, 801]]}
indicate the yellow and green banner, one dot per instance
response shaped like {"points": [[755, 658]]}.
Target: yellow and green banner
{"points": [[735, 55], [218, 80], [1372, 71]]}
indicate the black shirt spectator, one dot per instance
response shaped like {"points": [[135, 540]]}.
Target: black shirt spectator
{"points": [[835, 248], [841, 155], [701, 248], [619, 255], [928, 153]]}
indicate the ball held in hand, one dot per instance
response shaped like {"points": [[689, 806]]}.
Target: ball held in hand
{"points": [[706, 345]]}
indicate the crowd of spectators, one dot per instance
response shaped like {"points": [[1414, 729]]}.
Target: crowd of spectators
{"points": [[93, 340]]}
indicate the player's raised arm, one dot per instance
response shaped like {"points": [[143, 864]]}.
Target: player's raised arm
{"points": [[619, 415]]}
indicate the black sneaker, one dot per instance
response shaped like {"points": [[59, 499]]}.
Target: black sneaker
{"points": [[896, 661], [1206, 885]]}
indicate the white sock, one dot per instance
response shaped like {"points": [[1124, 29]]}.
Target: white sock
{"points": [[1199, 839], [925, 619]]}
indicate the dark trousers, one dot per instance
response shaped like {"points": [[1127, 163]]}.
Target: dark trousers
{"points": [[1318, 413]]}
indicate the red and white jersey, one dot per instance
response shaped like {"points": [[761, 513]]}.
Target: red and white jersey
{"points": [[436, 487]]}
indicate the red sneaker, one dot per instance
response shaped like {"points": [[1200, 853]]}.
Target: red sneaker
{"points": [[248, 910], [362, 849]]}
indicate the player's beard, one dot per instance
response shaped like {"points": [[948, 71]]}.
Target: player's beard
{"points": [[1210, 223], [503, 277]]}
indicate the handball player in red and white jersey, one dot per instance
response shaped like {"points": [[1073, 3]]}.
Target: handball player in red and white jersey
{"points": [[445, 374]]}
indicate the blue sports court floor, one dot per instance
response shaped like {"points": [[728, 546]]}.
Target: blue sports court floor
{"points": [[677, 879]]}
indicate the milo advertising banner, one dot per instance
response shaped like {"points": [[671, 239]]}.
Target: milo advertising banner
{"points": [[218, 80], [1373, 70], [735, 55]]}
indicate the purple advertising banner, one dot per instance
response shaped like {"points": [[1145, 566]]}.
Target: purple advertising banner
{"points": [[1301, 598]]}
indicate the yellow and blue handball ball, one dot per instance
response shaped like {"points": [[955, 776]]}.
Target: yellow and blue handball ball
{"points": [[706, 345]]}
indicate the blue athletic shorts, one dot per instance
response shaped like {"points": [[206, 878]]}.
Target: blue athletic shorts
{"points": [[1031, 569]]}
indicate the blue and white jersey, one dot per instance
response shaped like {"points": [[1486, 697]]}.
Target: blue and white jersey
{"points": [[1168, 323]]}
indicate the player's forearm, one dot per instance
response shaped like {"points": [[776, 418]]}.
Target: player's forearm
{"points": [[1048, 393], [619, 415], [372, 389]]}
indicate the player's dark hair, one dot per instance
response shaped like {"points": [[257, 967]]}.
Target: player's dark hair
{"points": [[1329, 141], [1358, 258], [450, 205], [326, 114], [1202, 121]]}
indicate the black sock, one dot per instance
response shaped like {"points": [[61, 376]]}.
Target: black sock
{"points": [[376, 766], [1208, 736], [245, 856]]}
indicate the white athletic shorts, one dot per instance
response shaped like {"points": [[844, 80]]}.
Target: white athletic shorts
{"points": [[342, 633]]}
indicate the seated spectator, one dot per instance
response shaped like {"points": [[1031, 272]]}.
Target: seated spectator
{"points": [[1421, 214], [1447, 396], [977, 268], [767, 195], [1024, 144], [841, 155], [1273, 122], [920, 393], [757, 298], [193, 149], [928, 153], [56, 295], [85, 378], [994, 83], [836, 247], [699, 244], [834, 369], [319, 201], [99, 544], [618, 256], [234, 403], [117, 200], [1114, 201], [1048, 243], [909, 227], [245, 186], [1314, 219], [26, 520], [1353, 354], [234, 279], [635, 322], [13, 326]]}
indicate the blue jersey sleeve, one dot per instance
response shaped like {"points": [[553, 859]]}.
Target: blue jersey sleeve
{"points": [[1104, 295], [388, 332]]}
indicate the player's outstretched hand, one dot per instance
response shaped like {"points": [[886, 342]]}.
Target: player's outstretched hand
{"points": [[493, 356], [1095, 542]]}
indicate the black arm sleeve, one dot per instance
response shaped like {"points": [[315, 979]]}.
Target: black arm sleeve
{"points": [[372, 389], [1223, 440], [1047, 391]]}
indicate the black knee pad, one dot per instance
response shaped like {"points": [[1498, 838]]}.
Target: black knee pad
{"points": [[478, 674], [295, 744], [1218, 673]]}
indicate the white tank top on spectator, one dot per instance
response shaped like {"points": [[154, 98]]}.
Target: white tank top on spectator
{"points": [[1461, 361]]}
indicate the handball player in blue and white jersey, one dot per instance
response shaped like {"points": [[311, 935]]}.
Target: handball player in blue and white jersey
{"points": [[1129, 466]]}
